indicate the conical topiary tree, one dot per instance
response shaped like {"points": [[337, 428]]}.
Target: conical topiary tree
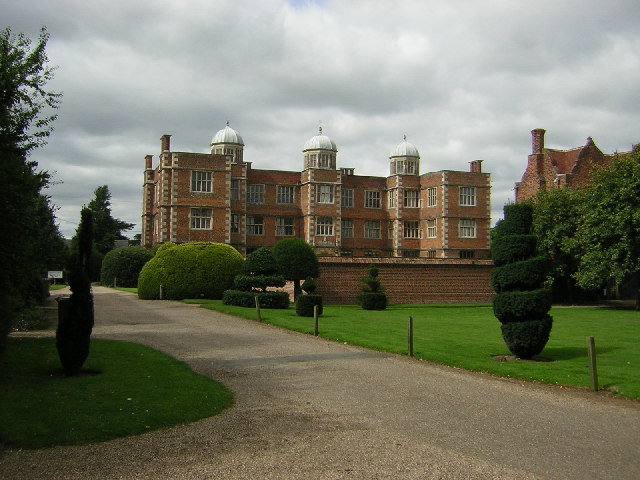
{"points": [[372, 296], [75, 317], [521, 302]]}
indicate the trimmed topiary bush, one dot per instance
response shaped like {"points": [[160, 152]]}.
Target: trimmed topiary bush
{"points": [[190, 270], [305, 304], [259, 273], [121, 267], [372, 296], [296, 260], [521, 303]]}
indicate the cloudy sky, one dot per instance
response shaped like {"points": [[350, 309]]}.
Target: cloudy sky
{"points": [[462, 79]]}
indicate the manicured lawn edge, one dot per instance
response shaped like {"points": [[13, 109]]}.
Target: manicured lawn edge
{"points": [[127, 389]]}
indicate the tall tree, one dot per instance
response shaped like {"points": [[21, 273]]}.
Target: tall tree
{"points": [[26, 121], [556, 214], [608, 234], [106, 229]]}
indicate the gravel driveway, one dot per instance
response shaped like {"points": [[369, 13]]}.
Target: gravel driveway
{"points": [[308, 408]]}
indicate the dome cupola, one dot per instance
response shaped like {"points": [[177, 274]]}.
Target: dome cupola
{"points": [[228, 142], [405, 159], [320, 152]]}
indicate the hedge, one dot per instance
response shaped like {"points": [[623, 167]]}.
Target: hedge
{"points": [[246, 299], [305, 304], [190, 270], [122, 266]]}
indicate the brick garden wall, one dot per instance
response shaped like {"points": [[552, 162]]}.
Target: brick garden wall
{"points": [[407, 281]]}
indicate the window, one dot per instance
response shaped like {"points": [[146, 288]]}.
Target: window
{"points": [[201, 218], [325, 193], [324, 226], [411, 229], [312, 160], [467, 228], [235, 189], [392, 199], [432, 229], [284, 194], [235, 222], [346, 199], [347, 228], [324, 160], [255, 193], [431, 254], [372, 229], [432, 197], [468, 196], [372, 199], [255, 225], [200, 181], [346, 253], [411, 198], [411, 166], [284, 226], [466, 254]]}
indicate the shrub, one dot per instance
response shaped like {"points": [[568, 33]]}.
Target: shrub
{"points": [[308, 286], [305, 304], [247, 299], [523, 275], [513, 248], [521, 304], [247, 283], [372, 296], [515, 306], [373, 300], [190, 270], [122, 266]]}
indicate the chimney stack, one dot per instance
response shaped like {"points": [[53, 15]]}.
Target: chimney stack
{"points": [[537, 140], [147, 161], [475, 166], [165, 143]]}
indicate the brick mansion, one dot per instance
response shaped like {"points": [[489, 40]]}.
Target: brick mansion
{"points": [[220, 197]]}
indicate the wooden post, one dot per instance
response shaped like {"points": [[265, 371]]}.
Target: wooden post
{"points": [[410, 337], [591, 347], [161, 292], [315, 320], [258, 308]]}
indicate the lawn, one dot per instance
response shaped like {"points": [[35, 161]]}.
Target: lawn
{"points": [[127, 389], [469, 337]]}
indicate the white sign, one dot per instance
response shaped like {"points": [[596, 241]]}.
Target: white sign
{"points": [[54, 274]]}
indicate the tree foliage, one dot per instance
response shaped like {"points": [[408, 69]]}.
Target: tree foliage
{"points": [[592, 234], [106, 228], [607, 237], [29, 240], [296, 261], [121, 267]]}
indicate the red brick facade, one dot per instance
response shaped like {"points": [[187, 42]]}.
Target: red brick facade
{"points": [[407, 281], [548, 168], [220, 197]]}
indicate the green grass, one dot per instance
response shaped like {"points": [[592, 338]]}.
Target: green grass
{"points": [[57, 286], [127, 289], [469, 338], [137, 390]]}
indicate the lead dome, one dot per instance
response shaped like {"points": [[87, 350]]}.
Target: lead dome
{"points": [[227, 136], [405, 149], [320, 142]]}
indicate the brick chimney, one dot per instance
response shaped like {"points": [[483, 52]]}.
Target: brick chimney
{"points": [[165, 143], [475, 166], [537, 140], [147, 161]]}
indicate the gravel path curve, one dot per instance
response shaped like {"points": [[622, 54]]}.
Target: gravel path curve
{"points": [[308, 408]]}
